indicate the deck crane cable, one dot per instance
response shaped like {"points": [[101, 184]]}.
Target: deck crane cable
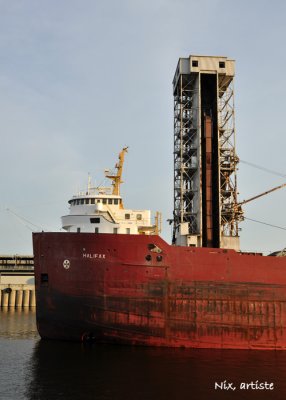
{"points": [[271, 172], [22, 219], [263, 168], [265, 223], [238, 208]]}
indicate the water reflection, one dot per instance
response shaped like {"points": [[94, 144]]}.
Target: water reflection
{"points": [[18, 323], [59, 370], [45, 370]]}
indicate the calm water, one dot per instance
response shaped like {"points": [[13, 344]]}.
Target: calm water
{"points": [[44, 370]]}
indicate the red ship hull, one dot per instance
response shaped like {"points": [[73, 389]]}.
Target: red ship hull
{"points": [[117, 289]]}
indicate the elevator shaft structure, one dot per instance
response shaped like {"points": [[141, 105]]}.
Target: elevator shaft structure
{"points": [[205, 161]]}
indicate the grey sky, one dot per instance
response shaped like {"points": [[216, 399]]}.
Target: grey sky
{"points": [[81, 79]]}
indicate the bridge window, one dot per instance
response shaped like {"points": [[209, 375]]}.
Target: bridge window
{"points": [[92, 201], [96, 230], [109, 201], [104, 201], [127, 216], [221, 64], [139, 217], [86, 201], [115, 201], [95, 220], [81, 201], [115, 230], [128, 231], [78, 230]]}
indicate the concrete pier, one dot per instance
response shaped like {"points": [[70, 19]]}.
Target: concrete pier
{"points": [[17, 296], [12, 298], [4, 298], [17, 289], [26, 297], [32, 301]]}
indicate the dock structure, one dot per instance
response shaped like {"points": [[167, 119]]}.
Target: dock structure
{"points": [[17, 288], [16, 261]]}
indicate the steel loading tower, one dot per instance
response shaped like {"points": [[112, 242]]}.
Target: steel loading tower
{"points": [[205, 161]]}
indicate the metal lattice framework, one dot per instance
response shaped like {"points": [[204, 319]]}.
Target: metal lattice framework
{"points": [[205, 161], [186, 153], [228, 159]]}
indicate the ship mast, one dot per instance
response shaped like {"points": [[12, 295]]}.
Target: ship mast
{"points": [[116, 177]]}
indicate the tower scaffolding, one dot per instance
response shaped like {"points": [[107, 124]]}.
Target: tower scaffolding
{"points": [[205, 161]]}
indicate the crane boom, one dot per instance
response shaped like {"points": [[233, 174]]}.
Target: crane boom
{"points": [[261, 194]]}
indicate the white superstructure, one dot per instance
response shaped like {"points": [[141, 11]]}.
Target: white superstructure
{"points": [[101, 210]]}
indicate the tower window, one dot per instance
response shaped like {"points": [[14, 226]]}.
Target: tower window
{"points": [[195, 63]]}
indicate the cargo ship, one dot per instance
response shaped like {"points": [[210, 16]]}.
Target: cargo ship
{"points": [[111, 278]]}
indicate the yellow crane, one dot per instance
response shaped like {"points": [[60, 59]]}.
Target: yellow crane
{"points": [[116, 177], [116, 182]]}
